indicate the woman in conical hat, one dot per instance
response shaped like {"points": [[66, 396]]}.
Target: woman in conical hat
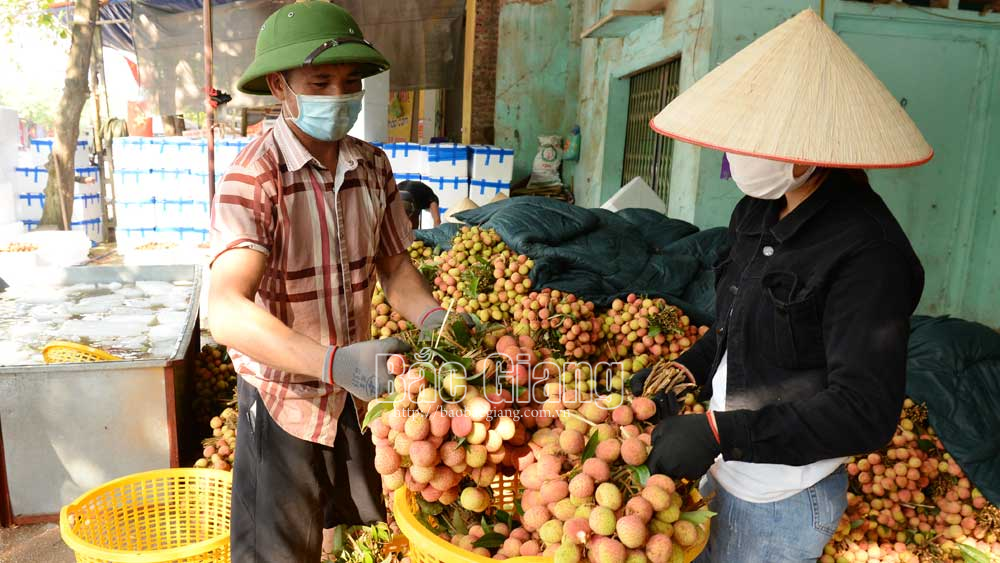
{"points": [[805, 364]]}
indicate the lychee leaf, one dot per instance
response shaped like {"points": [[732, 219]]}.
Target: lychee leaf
{"points": [[591, 449], [857, 523], [447, 356], [506, 518], [487, 529], [446, 524], [925, 445], [972, 555], [654, 332], [641, 474], [491, 540], [462, 441], [458, 523], [518, 507], [461, 332], [697, 517], [376, 408], [338, 541], [431, 508], [422, 518]]}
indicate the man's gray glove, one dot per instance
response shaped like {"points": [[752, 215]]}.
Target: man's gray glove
{"points": [[432, 319], [361, 368]]}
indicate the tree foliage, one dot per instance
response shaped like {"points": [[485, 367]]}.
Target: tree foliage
{"points": [[18, 14]]}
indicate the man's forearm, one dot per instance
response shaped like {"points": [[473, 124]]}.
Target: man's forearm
{"points": [[239, 323], [408, 292]]}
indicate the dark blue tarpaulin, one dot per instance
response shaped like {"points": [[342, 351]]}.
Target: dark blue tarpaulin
{"points": [[116, 16]]}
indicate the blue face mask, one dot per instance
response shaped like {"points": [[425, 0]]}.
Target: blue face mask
{"points": [[327, 118]]}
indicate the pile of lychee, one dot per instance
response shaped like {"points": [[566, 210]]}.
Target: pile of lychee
{"points": [[560, 321], [481, 275], [911, 501], [214, 382], [219, 450], [578, 454]]}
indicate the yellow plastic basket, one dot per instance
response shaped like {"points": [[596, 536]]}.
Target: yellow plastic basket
{"points": [[60, 352], [425, 547], [175, 515]]}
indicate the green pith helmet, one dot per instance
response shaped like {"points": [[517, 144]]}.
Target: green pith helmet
{"points": [[310, 32]]}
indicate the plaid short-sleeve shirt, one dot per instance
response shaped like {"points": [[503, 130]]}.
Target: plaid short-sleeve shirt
{"points": [[321, 231]]}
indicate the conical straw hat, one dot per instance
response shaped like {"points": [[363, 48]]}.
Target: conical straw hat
{"points": [[797, 94], [499, 197], [464, 205]]}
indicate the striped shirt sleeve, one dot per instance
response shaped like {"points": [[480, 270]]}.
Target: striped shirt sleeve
{"points": [[242, 213], [395, 232]]}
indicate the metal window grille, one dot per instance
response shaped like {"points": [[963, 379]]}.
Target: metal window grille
{"points": [[647, 153]]}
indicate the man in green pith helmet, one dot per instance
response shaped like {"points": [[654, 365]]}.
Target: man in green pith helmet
{"points": [[302, 223]]}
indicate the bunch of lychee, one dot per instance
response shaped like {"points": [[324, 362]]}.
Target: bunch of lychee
{"points": [[637, 326], [385, 321], [575, 454], [214, 382], [911, 500], [420, 252], [560, 321], [443, 429]]}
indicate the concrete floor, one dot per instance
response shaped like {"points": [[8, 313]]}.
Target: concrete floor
{"points": [[33, 544], [41, 543]]}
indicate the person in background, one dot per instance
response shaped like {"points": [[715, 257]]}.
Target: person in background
{"points": [[89, 180], [303, 223], [806, 362], [417, 198]]}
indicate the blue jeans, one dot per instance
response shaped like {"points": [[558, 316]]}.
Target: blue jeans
{"points": [[794, 529]]}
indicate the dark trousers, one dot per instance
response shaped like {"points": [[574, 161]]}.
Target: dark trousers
{"points": [[286, 490]]}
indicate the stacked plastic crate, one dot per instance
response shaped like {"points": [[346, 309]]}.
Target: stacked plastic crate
{"points": [[447, 173], [408, 160], [9, 225], [454, 171], [492, 170], [161, 187], [31, 177]]}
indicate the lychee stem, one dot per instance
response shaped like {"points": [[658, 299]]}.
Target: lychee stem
{"points": [[574, 414], [444, 323]]}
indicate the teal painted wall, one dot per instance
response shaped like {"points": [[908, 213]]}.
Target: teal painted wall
{"points": [[947, 71], [680, 32], [538, 76]]}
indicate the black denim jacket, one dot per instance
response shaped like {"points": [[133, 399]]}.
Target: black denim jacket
{"points": [[814, 311]]}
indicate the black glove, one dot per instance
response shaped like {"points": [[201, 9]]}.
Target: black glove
{"points": [[683, 446], [666, 403], [638, 381]]}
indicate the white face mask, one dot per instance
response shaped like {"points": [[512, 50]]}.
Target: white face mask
{"points": [[765, 179]]}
